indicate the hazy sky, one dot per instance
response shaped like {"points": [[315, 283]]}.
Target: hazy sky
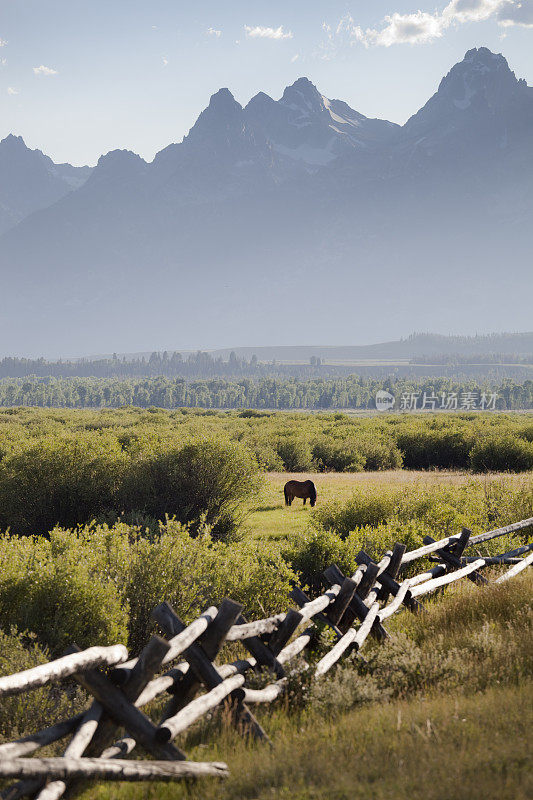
{"points": [[80, 78]]}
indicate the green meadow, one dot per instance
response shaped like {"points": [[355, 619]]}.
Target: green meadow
{"points": [[106, 513]]}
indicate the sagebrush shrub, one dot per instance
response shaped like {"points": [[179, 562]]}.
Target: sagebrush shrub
{"points": [[202, 482], [295, 454], [502, 454], [314, 551], [18, 716], [62, 590], [59, 481], [340, 456]]}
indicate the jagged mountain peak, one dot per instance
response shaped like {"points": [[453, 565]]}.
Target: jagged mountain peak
{"points": [[480, 73], [484, 56], [480, 100], [303, 95], [117, 166], [13, 141], [222, 115], [14, 147], [29, 180], [260, 100], [223, 102]]}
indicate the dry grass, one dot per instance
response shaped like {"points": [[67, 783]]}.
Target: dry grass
{"points": [[435, 743], [444, 748]]}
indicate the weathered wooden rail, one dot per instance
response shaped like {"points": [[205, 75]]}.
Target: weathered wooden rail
{"points": [[353, 607]]}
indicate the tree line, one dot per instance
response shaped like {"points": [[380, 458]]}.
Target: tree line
{"points": [[351, 392]]}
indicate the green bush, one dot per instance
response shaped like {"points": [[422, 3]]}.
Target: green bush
{"points": [[18, 717], [362, 509], [59, 481], [442, 449], [526, 433], [502, 454], [61, 590], [376, 540], [100, 584], [340, 456], [316, 550], [267, 456], [203, 482], [192, 574], [380, 454], [295, 454]]}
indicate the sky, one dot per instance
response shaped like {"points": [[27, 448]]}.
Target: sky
{"points": [[78, 78]]}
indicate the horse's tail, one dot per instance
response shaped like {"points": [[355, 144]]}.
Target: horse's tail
{"points": [[285, 492]]}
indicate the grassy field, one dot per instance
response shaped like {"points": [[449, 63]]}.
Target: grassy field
{"points": [[456, 723], [270, 518], [439, 712]]}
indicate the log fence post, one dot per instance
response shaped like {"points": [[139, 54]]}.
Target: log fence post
{"points": [[199, 656], [451, 555]]}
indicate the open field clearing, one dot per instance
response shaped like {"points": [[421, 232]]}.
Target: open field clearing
{"points": [[270, 518], [105, 516]]}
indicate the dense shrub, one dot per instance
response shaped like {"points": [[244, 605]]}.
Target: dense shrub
{"points": [[376, 540], [443, 449], [201, 482], [194, 573], [316, 550], [267, 456], [363, 508], [18, 717], [502, 454], [339, 456], [60, 589], [295, 454], [99, 584], [380, 454], [59, 481], [526, 433], [437, 510]]}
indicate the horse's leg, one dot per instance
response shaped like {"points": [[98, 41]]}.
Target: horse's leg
{"points": [[305, 498]]}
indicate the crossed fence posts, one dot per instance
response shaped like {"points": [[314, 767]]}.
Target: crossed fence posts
{"points": [[354, 608]]}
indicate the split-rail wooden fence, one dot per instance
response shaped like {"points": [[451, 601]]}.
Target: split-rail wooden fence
{"points": [[353, 607]]}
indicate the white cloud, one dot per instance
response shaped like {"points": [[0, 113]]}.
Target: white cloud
{"points": [[164, 60], [295, 58], [11, 90], [258, 32], [516, 13], [420, 26], [415, 28], [214, 32], [3, 62], [42, 70], [3, 42]]}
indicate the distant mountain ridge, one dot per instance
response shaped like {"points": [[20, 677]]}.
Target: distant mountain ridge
{"points": [[29, 181], [297, 215], [416, 344]]}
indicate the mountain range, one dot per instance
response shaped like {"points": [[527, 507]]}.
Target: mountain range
{"points": [[296, 219]]}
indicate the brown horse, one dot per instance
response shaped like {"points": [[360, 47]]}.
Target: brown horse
{"points": [[303, 489]]}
